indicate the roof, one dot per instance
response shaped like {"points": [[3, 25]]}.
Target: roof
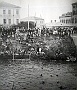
{"points": [[58, 24], [74, 3], [68, 14], [31, 18], [5, 4]]}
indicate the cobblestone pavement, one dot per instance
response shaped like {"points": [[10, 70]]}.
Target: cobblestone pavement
{"points": [[38, 75]]}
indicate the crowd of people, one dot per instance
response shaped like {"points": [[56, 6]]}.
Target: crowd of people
{"points": [[15, 36]]}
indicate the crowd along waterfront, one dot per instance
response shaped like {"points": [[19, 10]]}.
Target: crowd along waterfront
{"points": [[18, 42]]}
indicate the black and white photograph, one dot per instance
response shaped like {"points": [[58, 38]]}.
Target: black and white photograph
{"points": [[38, 44]]}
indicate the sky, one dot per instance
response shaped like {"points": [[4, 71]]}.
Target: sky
{"points": [[46, 9]]}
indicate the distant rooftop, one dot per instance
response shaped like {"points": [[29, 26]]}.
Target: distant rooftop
{"points": [[68, 14], [32, 18], [5, 4], [57, 24], [74, 3]]}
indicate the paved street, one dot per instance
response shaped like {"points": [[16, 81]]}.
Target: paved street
{"points": [[34, 75]]}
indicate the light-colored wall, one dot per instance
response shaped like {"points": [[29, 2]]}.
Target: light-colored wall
{"points": [[74, 17], [39, 22], [65, 18], [9, 16]]}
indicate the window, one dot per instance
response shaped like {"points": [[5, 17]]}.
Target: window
{"points": [[9, 11], [4, 11], [9, 21], [69, 21], [64, 21], [72, 20], [74, 6], [17, 21], [73, 12], [76, 12], [17, 11], [4, 21], [55, 20], [75, 20]]}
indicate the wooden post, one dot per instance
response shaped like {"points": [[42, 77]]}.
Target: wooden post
{"points": [[13, 53]]}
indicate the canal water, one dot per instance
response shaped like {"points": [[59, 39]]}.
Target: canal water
{"points": [[37, 75]]}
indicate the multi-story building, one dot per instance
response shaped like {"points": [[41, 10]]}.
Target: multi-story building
{"points": [[66, 18], [74, 13], [9, 14], [70, 17], [38, 21]]}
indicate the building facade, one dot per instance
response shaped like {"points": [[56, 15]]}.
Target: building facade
{"points": [[74, 13], [70, 18], [66, 18], [38, 21], [9, 14]]}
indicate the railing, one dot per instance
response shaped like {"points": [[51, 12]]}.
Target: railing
{"points": [[17, 57]]}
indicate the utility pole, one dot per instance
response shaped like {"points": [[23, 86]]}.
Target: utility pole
{"points": [[13, 16], [28, 16]]}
